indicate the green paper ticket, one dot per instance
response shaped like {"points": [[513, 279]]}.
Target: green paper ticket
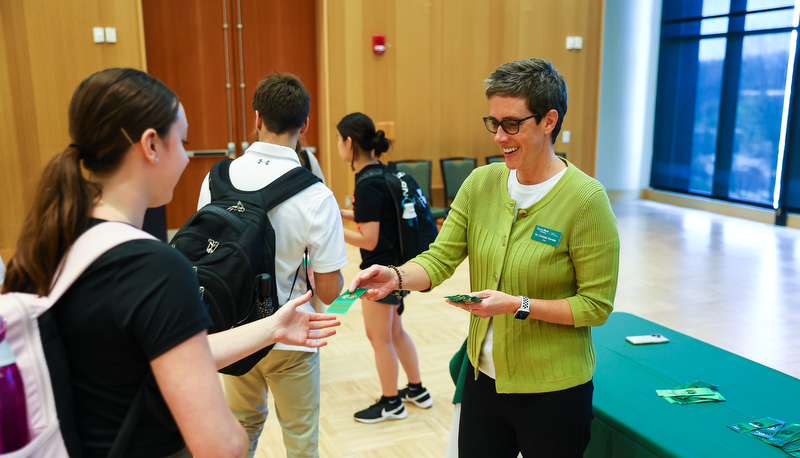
{"points": [[343, 303], [765, 422], [685, 392], [463, 298]]}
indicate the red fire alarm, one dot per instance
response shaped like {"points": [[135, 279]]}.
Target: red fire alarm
{"points": [[378, 44]]}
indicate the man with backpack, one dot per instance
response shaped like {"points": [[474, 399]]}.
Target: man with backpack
{"points": [[308, 222]]}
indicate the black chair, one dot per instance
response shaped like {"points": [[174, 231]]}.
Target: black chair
{"points": [[454, 171], [420, 169], [493, 159]]}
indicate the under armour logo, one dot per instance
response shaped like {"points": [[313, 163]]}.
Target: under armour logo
{"points": [[212, 245], [263, 161]]}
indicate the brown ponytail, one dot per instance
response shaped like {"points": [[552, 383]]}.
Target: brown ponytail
{"points": [[107, 110]]}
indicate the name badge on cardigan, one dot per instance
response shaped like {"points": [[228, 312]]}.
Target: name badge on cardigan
{"points": [[545, 235]]}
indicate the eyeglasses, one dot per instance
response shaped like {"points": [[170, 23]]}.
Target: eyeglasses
{"points": [[511, 126]]}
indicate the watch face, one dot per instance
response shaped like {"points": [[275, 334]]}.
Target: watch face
{"points": [[524, 309]]}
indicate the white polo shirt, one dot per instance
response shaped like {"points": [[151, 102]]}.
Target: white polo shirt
{"points": [[309, 219]]}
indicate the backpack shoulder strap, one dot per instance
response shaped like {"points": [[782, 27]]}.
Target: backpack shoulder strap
{"points": [[287, 185], [87, 248], [372, 173], [219, 179]]}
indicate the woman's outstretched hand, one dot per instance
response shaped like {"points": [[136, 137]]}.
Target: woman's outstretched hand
{"points": [[379, 281], [295, 327]]}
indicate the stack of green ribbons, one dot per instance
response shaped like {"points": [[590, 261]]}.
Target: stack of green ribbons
{"points": [[692, 393], [774, 432]]}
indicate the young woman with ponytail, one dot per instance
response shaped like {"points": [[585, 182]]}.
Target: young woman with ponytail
{"points": [[376, 236], [136, 310]]}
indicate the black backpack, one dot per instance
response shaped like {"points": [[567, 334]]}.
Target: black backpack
{"points": [[231, 245], [418, 227]]}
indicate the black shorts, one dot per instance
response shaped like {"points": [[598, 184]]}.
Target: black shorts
{"points": [[391, 299]]}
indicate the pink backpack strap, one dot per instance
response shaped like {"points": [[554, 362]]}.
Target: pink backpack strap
{"points": [[87, 248]]}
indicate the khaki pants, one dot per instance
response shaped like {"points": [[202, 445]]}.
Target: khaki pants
{"points": [[293, 378]]}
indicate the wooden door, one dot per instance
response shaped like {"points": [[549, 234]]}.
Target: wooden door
{"points": [[212, 54]]}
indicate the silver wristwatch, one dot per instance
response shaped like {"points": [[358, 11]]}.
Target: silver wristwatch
{"points": [[524, 310]]}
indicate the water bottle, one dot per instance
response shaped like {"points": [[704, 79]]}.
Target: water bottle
{"points": [[14, 432], [264, 306], [409, 213]]}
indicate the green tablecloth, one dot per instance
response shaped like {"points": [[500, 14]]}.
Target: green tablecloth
{"points": [[632, 421]]}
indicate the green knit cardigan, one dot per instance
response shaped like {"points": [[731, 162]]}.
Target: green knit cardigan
{"points": [[533, 356]]}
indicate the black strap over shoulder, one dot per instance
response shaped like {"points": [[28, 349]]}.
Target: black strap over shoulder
{"points": [[287, 185], [371, 173], [375, 173]]}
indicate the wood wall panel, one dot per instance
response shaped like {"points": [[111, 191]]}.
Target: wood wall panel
{"points": [[17, 123], [323, 115], [47, 50], [429, 83]]}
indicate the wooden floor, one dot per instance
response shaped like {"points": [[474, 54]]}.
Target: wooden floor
{"points": [[727, 281]]}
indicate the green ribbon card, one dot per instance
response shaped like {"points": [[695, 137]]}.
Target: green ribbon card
{"points": [[463, 299], [545, 235], [343, 303]]}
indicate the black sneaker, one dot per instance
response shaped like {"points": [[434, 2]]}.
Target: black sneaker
{"points": [[382, 410], [420, 397]]}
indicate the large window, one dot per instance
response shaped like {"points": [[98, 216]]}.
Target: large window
{"points": [[723, 113]]}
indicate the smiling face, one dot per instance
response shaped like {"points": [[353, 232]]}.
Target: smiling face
{"points": [[531, 146]]}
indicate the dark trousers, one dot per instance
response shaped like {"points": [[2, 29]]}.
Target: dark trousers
{"points": [[555, 424]]}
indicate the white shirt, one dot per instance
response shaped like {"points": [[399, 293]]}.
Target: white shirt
{"points": [[309, 219], [525, 196]]}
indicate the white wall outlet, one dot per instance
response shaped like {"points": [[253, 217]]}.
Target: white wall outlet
{"points": [[565, 136], [99, 35], [111, 34]]}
